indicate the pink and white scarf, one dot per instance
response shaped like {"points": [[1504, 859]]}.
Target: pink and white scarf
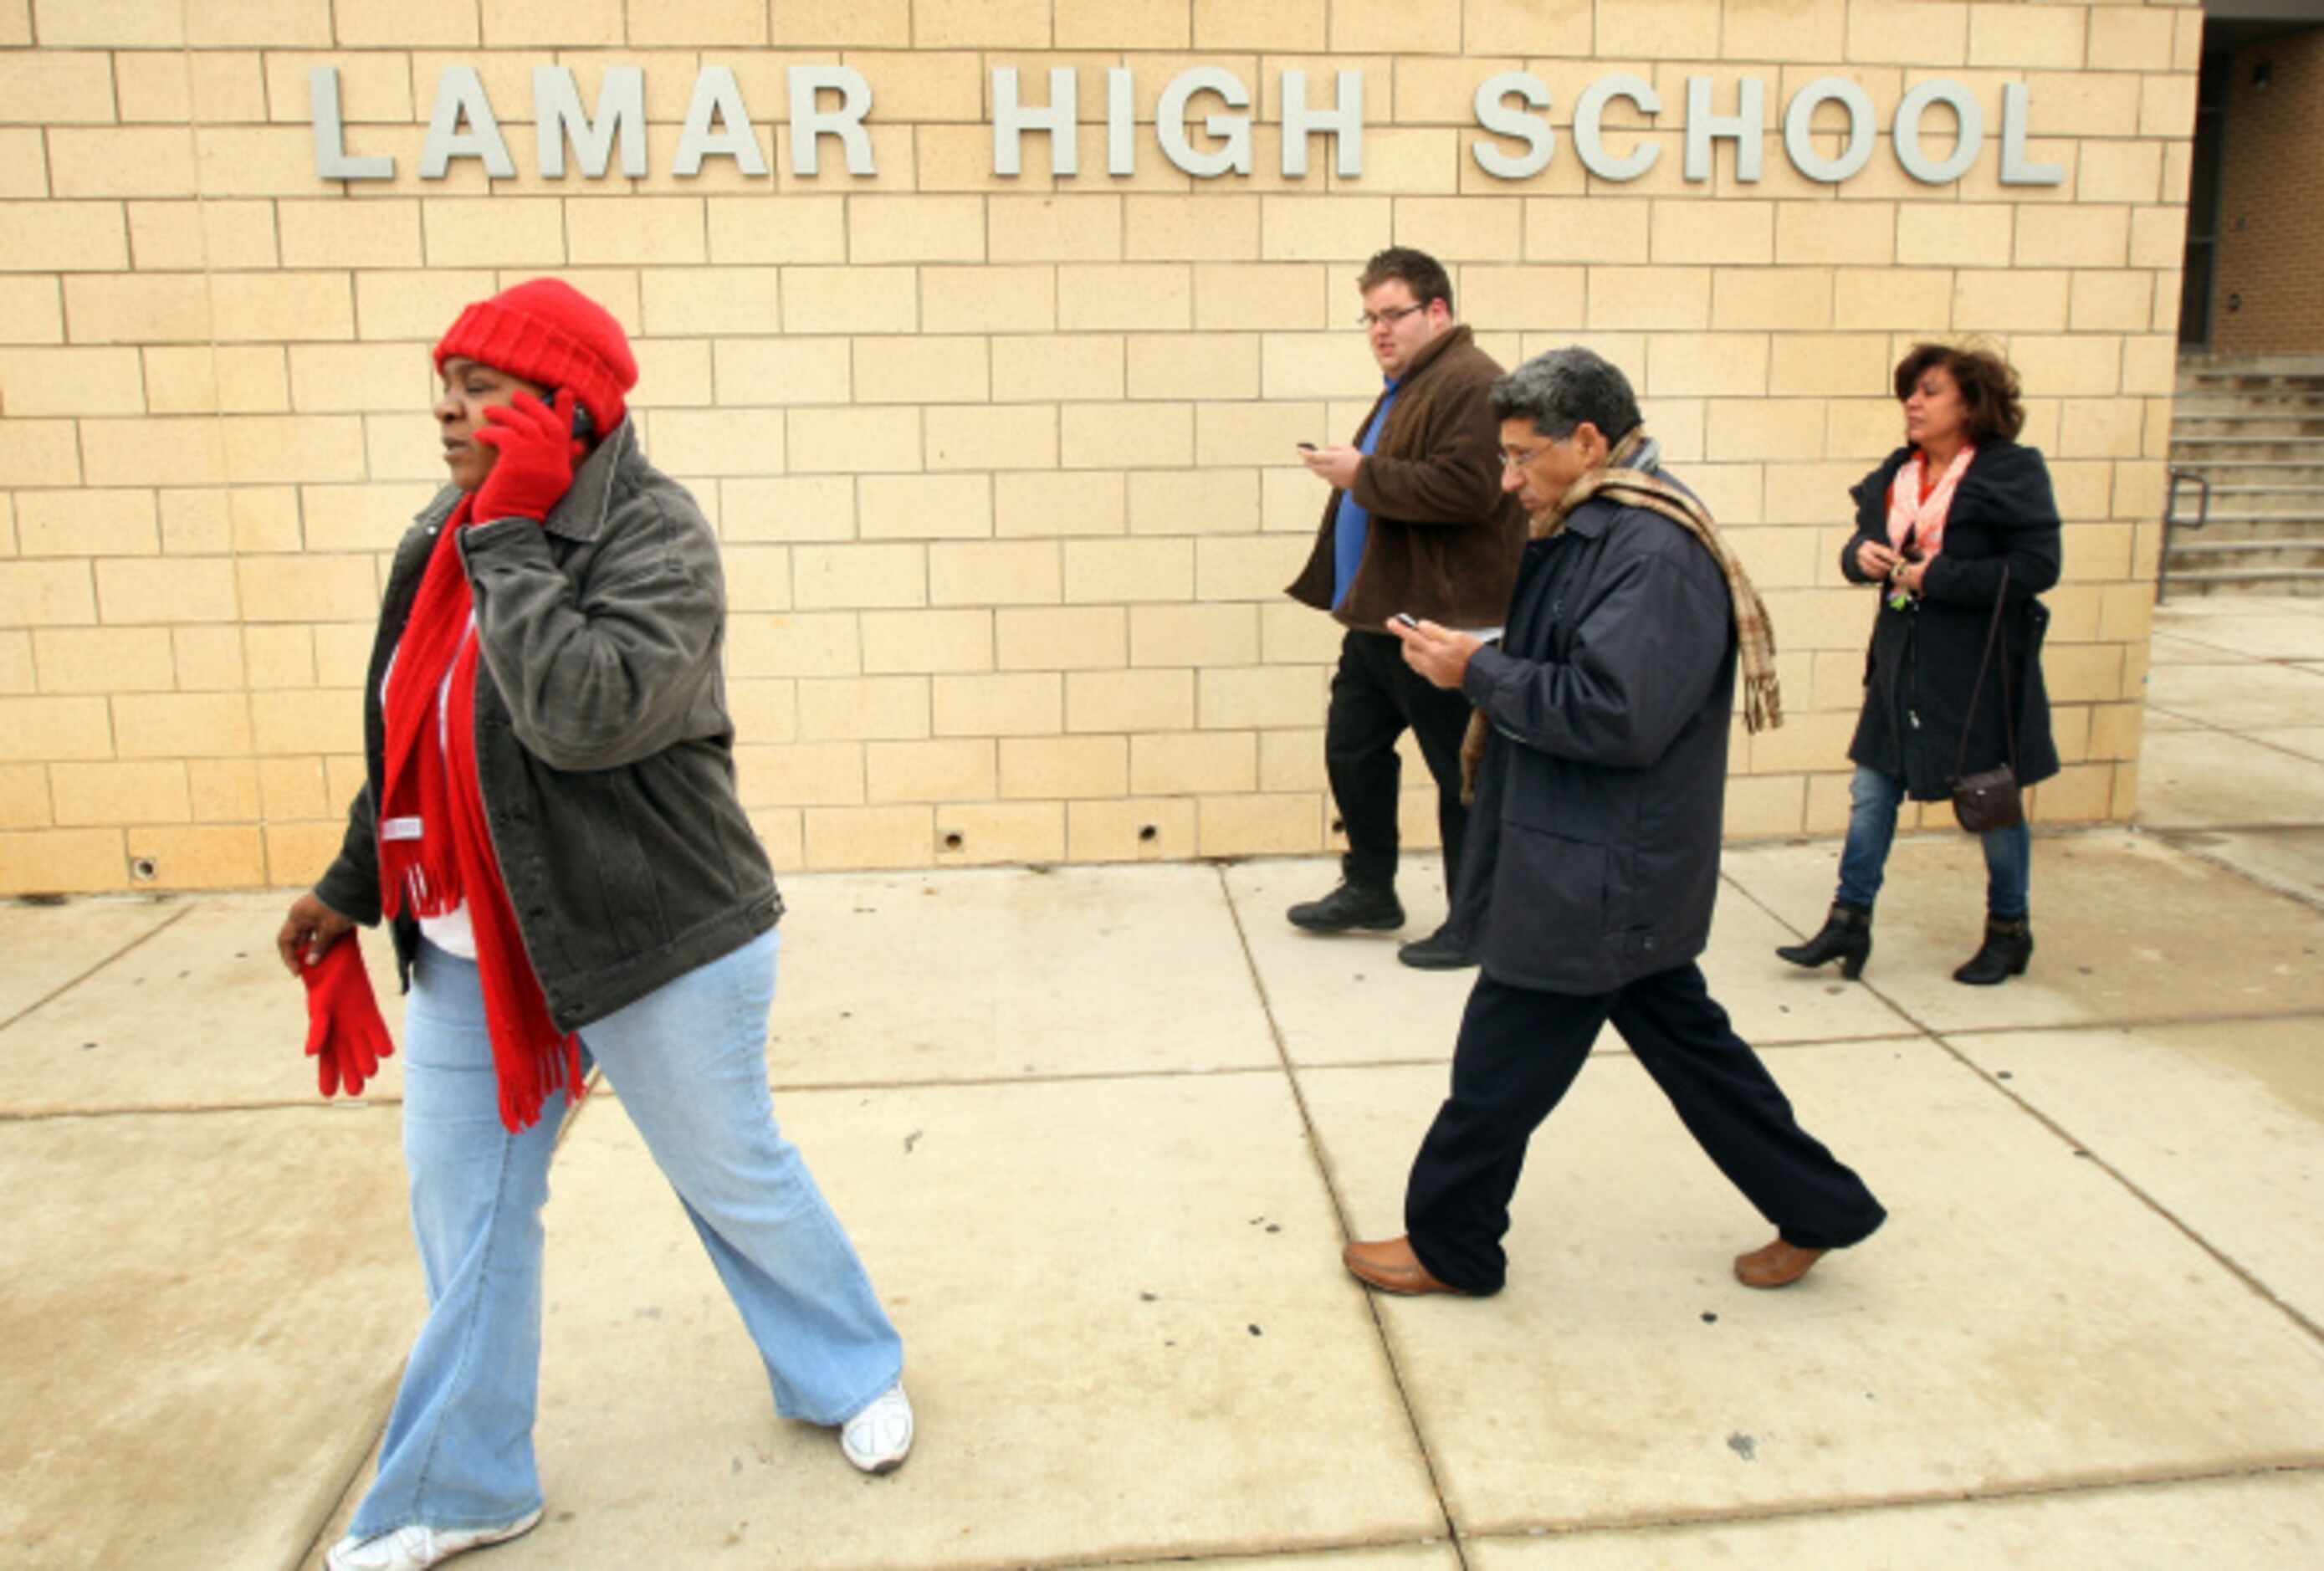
{"points": [[1920, 518]]}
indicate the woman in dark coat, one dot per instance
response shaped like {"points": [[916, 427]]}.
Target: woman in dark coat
{"points": [[1958, 516]]}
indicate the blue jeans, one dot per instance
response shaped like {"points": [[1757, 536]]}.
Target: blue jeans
{"points": [[690, 1063], [1873, 798]]}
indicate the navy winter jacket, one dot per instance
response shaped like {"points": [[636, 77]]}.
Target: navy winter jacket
{"points": [[1592, 857]]}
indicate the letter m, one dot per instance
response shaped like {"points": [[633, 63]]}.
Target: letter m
{"points": [[557, 115]]}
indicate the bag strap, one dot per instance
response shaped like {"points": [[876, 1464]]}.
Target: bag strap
{"points": [[1977, 690]]}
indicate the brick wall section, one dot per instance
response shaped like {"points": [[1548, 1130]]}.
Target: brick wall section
{"points": [[1002, 467], [2270, 197]]}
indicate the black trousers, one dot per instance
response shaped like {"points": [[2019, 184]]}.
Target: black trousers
{"points": [[1375, 698], [1520, 1049]]}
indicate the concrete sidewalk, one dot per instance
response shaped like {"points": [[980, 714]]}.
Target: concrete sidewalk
{"points": [[1100, 1133]]}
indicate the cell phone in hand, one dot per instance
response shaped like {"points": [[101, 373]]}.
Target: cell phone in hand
{"points": [[1306, 447], [1406, 618]]}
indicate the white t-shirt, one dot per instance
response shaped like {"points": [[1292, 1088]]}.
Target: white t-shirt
{"points": [[454, 932]]}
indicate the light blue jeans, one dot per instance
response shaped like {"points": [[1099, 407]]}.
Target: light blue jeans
{"points": [[689, 1062], [1873, 798]]}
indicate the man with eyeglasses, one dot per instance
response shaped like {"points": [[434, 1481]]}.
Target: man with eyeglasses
{"points": [[1600, 756], [1416, 525]]}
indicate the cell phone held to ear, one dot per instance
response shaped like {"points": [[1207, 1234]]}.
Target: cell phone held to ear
{"points": [[584, 429]]}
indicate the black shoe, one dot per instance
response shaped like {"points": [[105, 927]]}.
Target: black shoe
{"points": [[2007, 947], [1437, 952], [1351, 905], [1846, 937]]}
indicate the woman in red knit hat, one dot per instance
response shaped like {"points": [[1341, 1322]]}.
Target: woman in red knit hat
{"points": [[549, 825]]}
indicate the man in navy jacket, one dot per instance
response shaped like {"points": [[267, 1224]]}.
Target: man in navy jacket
{"points": [[1592, 861]]}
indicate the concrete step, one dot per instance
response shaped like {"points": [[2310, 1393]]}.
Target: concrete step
{"points": [[2292, 427], [2255, 369], [2251, 430], [2294, 549], [2208, 402], [2230, 446], [2248, 580], [2251, 386], [2269, 525], [2267, 472]]}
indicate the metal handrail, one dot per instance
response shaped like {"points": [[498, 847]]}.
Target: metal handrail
{"points": [[2171, 517]]}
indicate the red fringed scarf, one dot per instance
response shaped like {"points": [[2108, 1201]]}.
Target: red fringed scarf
{"points": [[434, 850]]}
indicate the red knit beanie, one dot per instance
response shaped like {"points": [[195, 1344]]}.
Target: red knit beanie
{"points": [[548, 332]]}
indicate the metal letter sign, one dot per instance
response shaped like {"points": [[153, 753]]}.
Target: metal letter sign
{"points": [[1511, 106]]}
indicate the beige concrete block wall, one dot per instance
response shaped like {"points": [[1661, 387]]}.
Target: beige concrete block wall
{"points": [[1004, 466]]}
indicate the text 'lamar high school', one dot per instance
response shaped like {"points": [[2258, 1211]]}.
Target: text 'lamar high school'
{"points": [[834, 102]]}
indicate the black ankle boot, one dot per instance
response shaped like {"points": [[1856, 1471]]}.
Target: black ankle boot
{"points": [[1846, 937], [2007, 947]]}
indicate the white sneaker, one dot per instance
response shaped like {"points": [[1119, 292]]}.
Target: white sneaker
{"points": [[880, 1438], [417, 1547]]}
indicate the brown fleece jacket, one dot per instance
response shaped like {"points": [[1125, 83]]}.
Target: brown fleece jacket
{"points": [[1445, 538]]}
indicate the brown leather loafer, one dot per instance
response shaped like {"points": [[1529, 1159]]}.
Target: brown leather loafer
{"points": [[1778, 1265], [1390, 1266]]}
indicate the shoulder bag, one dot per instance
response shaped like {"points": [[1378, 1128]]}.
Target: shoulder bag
{"points": [[1990, 799]]}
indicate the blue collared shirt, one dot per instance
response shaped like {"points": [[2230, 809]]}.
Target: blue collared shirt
{"points": [[1352, 523]]}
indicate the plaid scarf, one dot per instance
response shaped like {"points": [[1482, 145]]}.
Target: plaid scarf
{"points": [[1629, 476]]}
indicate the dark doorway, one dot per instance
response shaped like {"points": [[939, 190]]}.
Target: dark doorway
{"points": [[2203, 198]]}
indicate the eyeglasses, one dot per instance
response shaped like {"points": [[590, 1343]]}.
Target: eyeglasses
{"points": [[1391, 316], [1517, 459]]}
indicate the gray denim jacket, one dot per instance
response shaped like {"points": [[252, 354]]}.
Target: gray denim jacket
{"points": [[602, 741]]}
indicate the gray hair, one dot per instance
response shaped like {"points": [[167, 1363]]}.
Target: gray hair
{"points": [[1560, 389]]}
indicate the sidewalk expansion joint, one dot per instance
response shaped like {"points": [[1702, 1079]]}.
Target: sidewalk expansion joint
{"points": [[1055, 1077], [1781, 1045], [2286, 1466], [1217, 1071], [1339, 1211], [1291, 1555], [2178, 838], [2171, 832], [164, 1110], [2129, 1023], [1913, 1027], [2234, 1267], [57, 992], [2200, 722], [1941, 1039]]}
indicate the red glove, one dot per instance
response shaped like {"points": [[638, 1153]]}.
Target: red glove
{"points": [[345, 1036], [536, 451]]}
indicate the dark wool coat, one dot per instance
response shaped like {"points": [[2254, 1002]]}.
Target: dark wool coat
{"points": [[1922, 660], [1592, 857], [1444, 537]]}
